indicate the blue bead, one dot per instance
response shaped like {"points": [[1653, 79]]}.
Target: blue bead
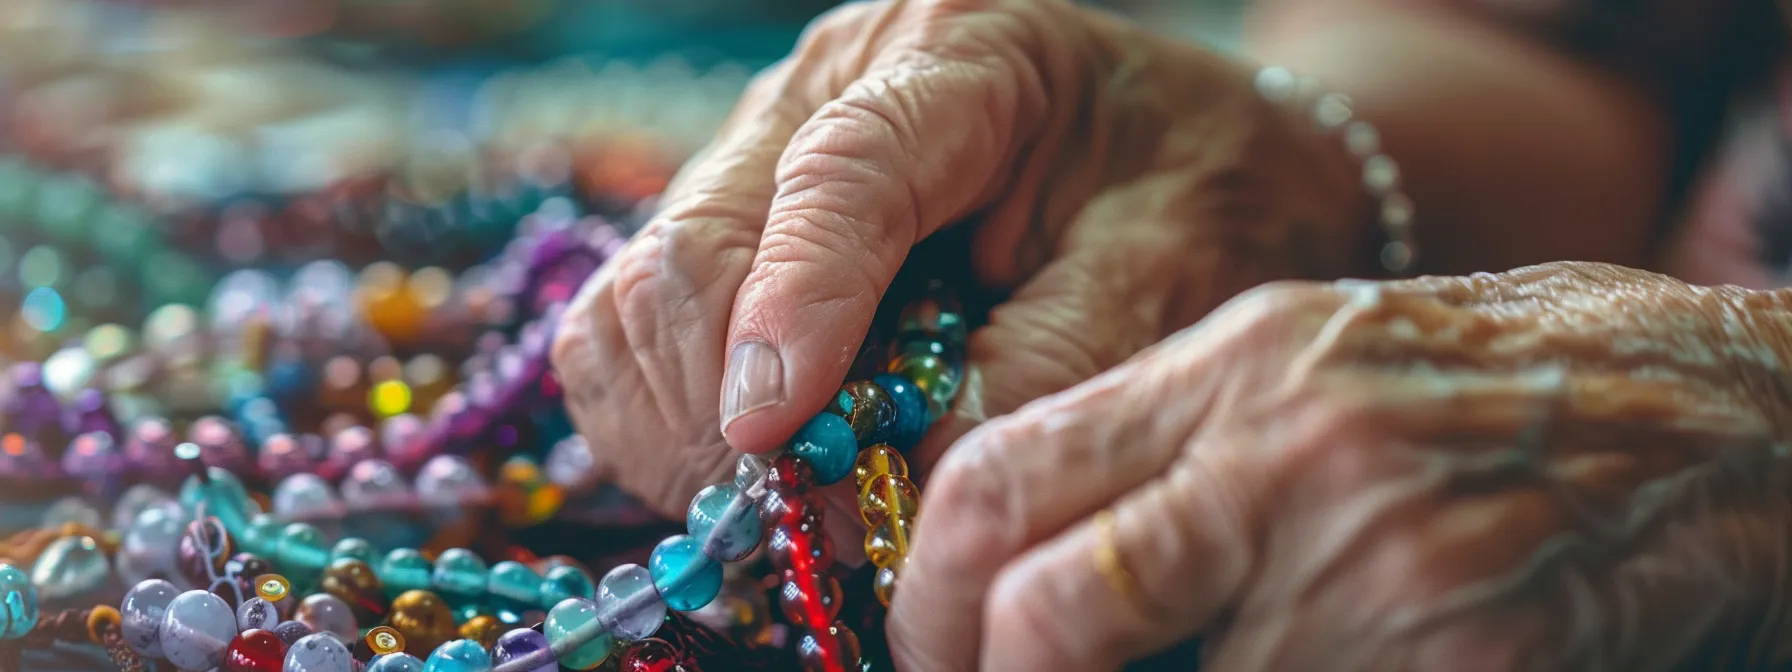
{"points": [[404, 569], [515, 584], [20, 598], [725, 536], [469, 611], [302, 547], [223, 495], [565, 581], [686, 578], [459, 573], [827, 442], [461, 655], [262, 535], [395, 662], [354, 548], [911, 410], [567, 626]]}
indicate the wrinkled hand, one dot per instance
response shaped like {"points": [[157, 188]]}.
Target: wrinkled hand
{"points": [[1121, 185], [1567, 467]]}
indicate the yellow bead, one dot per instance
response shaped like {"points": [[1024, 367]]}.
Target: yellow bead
{"points": [[878, 459], [383, 640], [272, 587], [483, 628], [888, 495], [888, 542], [885, 583]]}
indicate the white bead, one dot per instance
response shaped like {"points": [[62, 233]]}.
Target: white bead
{"points": [[1275, 84], [1396, 212], [1396, 256], [1380, 174], [1332, 111], [1362, 140]]}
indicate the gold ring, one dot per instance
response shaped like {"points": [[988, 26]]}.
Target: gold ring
{"points": [[1108, 563]]}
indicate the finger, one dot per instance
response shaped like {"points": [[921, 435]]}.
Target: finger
{"points": [[911, 146]]}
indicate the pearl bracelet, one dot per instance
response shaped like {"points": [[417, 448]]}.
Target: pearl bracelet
{"points": [[1333, 113]]}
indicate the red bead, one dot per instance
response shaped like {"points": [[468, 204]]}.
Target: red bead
{"points": [[835, 649], [790, 548], [789, 472], [810, 600], [654, 655], [788, 507], [254, 651]]}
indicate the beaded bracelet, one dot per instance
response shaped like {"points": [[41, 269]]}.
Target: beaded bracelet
{"points": [[1334, 113]]}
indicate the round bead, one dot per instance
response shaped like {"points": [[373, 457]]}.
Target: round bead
{"points": [[353, 582], [876, 460], [404, 569], [459, 573], [519, 643], [627, 584], [254, 650], [884, 585], [142, 610], [262, 535], [201, 552], [302, 547], [867, 408], [749, 470], [384, 640], [835, 648], [788, 473], [272, 587], [374, 484], [810, 599], [911, 410], [291, 632], [449, 480], [306, 495], [516, 583], [256, 614], [651, 655], [319, 652], [801, 548], [395, 662], [827, 443], [424, 620], [354, 548], [937, 379], [726, 536], [571, 621], [222, 494], [888, 541], [21, 613], [564, 581], [888, 495], [327, 614], [70, 566], [686, 578], [196, 628], [483, 628]]}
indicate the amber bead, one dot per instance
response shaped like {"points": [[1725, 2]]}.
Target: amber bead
{"points": [[888, 541], [788, 472], [833, 649], [888, 495], [383, 640], [790, 548], [424, 620], [810, 599], [867, 408], [878, 459], [885, 583], [355, 583], [483, 628]]}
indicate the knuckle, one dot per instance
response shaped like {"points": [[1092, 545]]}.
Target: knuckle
{"points": [[842, 22], [970, 501]]}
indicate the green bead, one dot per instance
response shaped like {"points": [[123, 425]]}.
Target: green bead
{"points": [[937, 379], [223, 495], [514, 584], [302, 547], [125, 235], [459, 573], [565, 581], [404, 570], [566, 626], [261, 536], [865, 406], [65, 206], [827, 442], [354, 548]]}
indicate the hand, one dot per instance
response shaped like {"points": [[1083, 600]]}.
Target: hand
{"points": [[1574, 467], [1121, 186]]}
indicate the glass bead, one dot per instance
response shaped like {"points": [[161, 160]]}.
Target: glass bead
{"points": [[867, 408], [150, 544], [374, 484], [139, 498], [937, 379], [449, 480], [783, 507], [68, 567], [519, 643], [888, 495], [306, 496], [933, 317], [834, 649], [468, 611], [254, 650], [788, 473], [563, 581], [884, 585], [141, 612], [291, 632], [384, 640], [201, 552], [516, 583], [327, 613], [404, 569], [638, 610], [574, 620], [810, 599], [459, 573], [653, 655], [911, 410], [262, 535], [424, 620], [727, 531], [874, 461], [319, 652], [272, 587], [302, 547], [888, 541], [256, 614], [196, 628], [483, 628], [827, 443], [354, 582], [794, 548], [354, 548], [223, 495], [686, 578], [395, 662], [749, 470]]}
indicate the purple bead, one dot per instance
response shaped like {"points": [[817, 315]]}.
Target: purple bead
{"points": [[522, 642], [450, 480], [150, 450], [291, 631], [93, 414], [219, 445], [283, 455], [23, 459], [95, 460], [194, 557], [348, 447], [31, 408]]}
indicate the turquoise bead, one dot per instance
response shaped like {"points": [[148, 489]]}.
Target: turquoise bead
{"points": [[223, 495], [459, 573], [515, 584], [302, 547], [262, 535], [20, 598], [564, 581], [461, 655], [354, 548], [469, 611], [66, 205], [724, 537], [404, 569], [686, 578], [574, 620], [911, 410], [395, 662], [827, 442]]}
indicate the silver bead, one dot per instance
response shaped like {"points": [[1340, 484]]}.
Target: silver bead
{"points": [[1332, 111], [1396, 256], [1396, 213], [1362, 139], [1380, 174], [1276, 85]]}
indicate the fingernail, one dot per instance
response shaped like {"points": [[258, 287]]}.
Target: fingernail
{"points": [[754, 380]]}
